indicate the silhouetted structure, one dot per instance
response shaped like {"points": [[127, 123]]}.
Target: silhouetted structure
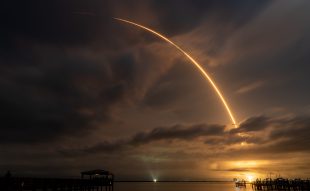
{"points": [[281, 184], [99, 180], [100, 176], [240, 183]]}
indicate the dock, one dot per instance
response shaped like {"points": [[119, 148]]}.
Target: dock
{"points": [[281, 184], [240, 183], [99, 180]]}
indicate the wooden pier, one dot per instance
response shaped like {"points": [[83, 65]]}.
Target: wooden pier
{"points": [[98, 181], [240, 183], [281, 185]]}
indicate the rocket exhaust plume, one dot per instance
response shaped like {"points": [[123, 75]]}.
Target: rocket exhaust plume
{"points": [[198, 66]]}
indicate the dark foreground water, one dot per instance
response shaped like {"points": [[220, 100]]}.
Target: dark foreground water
{"points": [[177, 186]]}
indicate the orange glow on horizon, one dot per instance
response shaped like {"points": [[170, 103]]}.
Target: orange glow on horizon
{"points": [[250, 178], [198, 66]]}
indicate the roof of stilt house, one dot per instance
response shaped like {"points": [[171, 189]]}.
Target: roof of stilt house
{"points": [[96, 172]]}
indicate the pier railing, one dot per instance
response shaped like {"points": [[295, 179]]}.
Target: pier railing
{"points": [[56, 184], [281, 184]]}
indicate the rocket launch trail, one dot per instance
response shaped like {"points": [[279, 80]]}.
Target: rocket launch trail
{"points": [[193, 61]]}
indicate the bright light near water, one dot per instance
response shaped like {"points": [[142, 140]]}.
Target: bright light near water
{"points": [[154, 180], [250, 178]]}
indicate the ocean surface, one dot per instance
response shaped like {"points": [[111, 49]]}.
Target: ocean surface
{"points": [[178, 186]]}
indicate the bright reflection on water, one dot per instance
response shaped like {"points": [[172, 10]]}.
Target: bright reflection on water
{"points": [[180, 186]]}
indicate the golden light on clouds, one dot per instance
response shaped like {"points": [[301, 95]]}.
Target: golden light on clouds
{"points": [[246, 163]]}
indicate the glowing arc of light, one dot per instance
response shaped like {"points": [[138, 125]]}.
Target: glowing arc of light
{"points": [[199, 67]]}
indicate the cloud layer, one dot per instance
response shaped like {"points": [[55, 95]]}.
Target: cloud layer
{"points": [[77, 86]]}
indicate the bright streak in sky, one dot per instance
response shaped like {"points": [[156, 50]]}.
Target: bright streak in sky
{"points": [[199, 67]]}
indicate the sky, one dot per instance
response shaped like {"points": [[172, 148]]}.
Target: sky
{"points": [[80, 90]]}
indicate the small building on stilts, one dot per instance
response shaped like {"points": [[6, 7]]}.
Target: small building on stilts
{"points": [[99, 179]]}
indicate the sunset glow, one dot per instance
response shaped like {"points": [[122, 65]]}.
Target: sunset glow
{"points": [[250, 178]]}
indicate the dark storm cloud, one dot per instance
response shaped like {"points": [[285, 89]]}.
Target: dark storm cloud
{"points": [[267, 135], [53, 99], [294, 134], [43, 88], [71, 77], [253, 124], [180, 16], [168, 90], [236, 170], [80, 22], [275, 135], [176, 132], [227, 139], [50, 84], [283, 136]]}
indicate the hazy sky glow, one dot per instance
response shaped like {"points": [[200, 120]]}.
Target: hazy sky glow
{"points": [[81, 91]]}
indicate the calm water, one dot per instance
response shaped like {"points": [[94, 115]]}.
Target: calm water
{"points": [[179, 186]]}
